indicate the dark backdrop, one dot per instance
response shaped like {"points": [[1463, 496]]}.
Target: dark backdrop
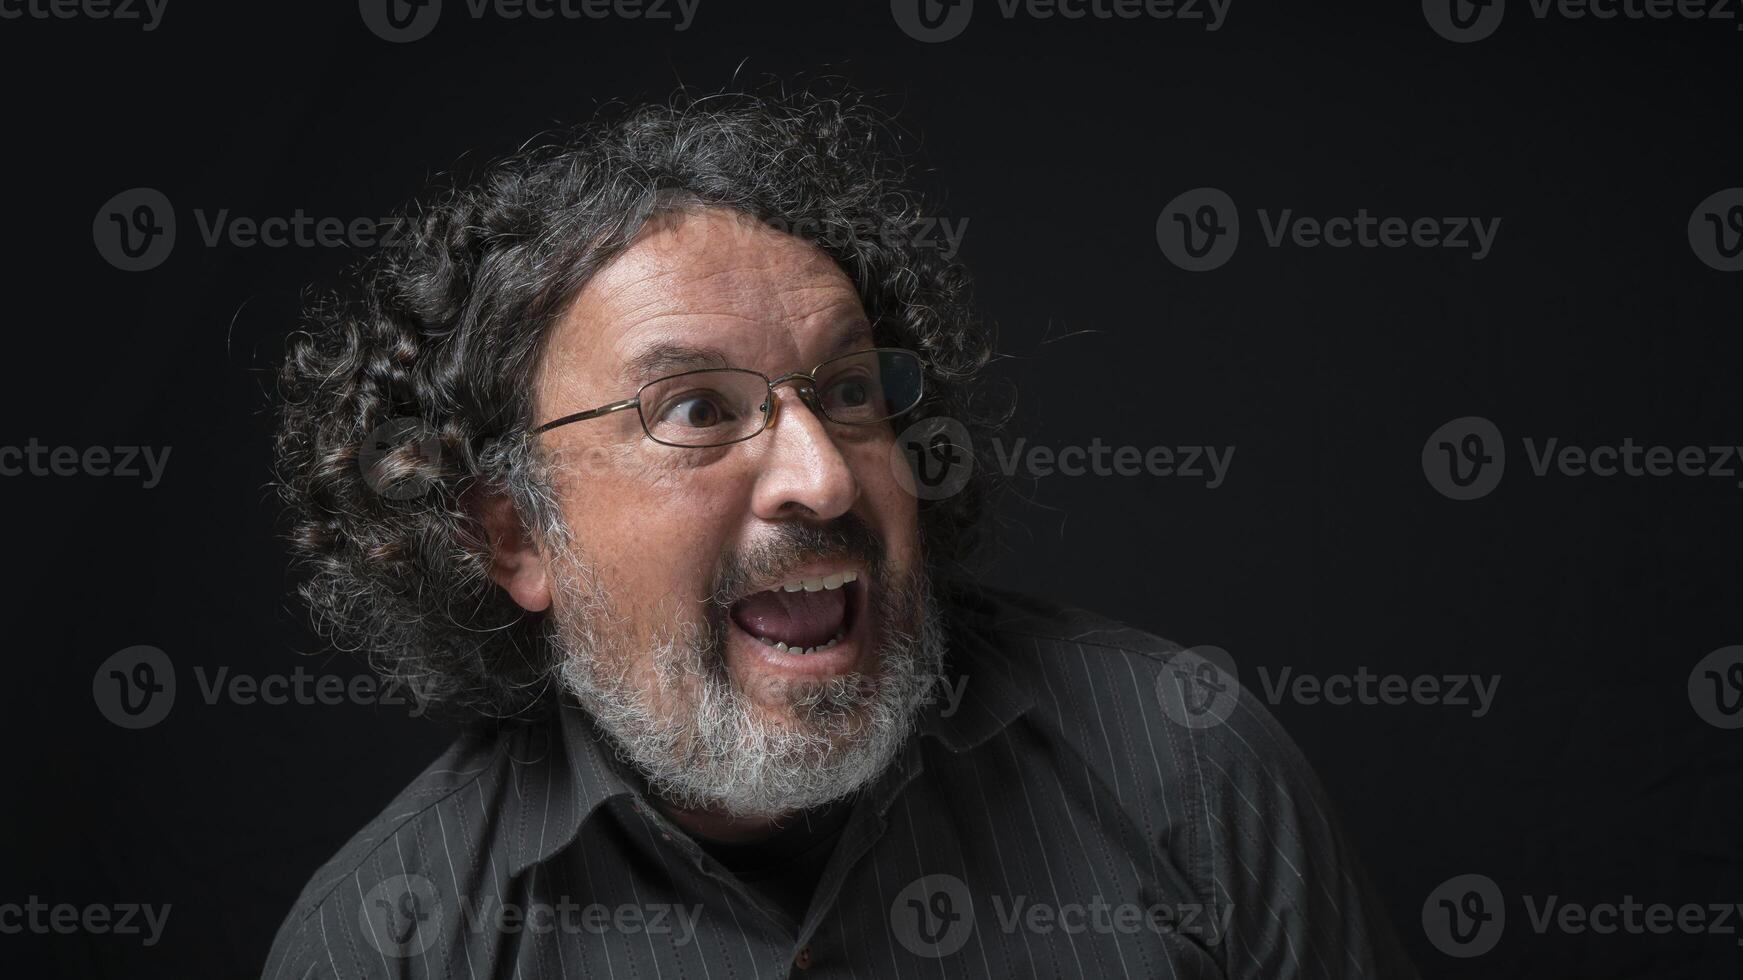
{"points": [[1329, 548]]}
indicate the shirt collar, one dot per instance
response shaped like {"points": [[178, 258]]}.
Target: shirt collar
{"points": [[563, 769], [979, 693]]}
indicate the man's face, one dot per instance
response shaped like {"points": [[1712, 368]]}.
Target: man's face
{"points": [[675, 594]]}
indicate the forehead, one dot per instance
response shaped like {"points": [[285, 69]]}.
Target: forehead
{"points": [[714, 282]]}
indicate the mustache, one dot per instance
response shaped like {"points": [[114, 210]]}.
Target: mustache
{"points": [[793, 544]]}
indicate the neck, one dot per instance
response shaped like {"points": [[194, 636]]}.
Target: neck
{"points": [[719, 826]]}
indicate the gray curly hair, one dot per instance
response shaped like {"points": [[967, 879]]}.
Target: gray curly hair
{"points": [[408, 393]]}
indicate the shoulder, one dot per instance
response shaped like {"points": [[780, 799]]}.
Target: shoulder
{"points": [[1077, 664], [1168, 735], [1152, 724], [1103, 683], [430, 830]]}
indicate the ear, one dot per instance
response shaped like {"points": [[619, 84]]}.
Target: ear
{"points": [[515, 561]]}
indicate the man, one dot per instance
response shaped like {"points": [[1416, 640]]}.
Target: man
{"points": [[604, 457]]}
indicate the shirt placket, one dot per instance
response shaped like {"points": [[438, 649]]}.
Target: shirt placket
{"points": [[865, 826]]}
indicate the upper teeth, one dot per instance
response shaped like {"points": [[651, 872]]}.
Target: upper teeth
{"points": [[827, 582]]}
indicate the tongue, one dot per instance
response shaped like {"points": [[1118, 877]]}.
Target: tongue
{"points": [[798, 619]]}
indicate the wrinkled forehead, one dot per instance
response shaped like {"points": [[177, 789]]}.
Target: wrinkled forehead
{"points": [[710, 288]]}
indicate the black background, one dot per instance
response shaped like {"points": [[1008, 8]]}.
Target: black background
{"points": [[1060, 141]]}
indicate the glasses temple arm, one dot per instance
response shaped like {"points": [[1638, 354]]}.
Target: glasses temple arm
{"points": [[591, 413]]}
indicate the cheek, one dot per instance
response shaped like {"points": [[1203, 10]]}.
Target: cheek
{"points": [[653, 532], [894, 510]]}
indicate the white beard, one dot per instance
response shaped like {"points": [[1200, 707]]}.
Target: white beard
{"points": [[695, 736]]}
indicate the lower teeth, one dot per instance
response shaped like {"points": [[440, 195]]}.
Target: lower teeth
{"points": [[801, 651]]}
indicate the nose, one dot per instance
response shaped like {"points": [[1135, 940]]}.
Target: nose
{"points": [[804, 474]]}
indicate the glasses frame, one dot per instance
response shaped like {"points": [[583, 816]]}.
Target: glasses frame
{"points": [[806, 391]]}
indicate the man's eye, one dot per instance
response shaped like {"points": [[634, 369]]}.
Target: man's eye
{"points": [[695, 411], [850, 393]]}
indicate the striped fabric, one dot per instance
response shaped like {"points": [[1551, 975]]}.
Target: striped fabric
{"points": [[1065, 819]]}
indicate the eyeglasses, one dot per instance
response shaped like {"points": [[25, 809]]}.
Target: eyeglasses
{"points": [[720, 406]]}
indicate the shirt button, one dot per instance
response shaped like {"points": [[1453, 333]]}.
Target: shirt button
{"points": [[803, 960]]}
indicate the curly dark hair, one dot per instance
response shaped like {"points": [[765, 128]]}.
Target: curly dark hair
{"points": [[408, 392]]}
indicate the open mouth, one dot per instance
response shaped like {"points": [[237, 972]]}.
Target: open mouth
{"points": [[802, 616]]}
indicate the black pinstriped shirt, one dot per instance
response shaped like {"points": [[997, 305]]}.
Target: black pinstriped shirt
{"points": [[1082, 800]]}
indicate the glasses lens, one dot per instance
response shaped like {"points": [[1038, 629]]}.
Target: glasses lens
{"points": [[870, 386], [705, 408]]}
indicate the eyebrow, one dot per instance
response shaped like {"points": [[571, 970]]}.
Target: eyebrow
{"points": [[659, 359], [662, 358], [852, 335]]}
